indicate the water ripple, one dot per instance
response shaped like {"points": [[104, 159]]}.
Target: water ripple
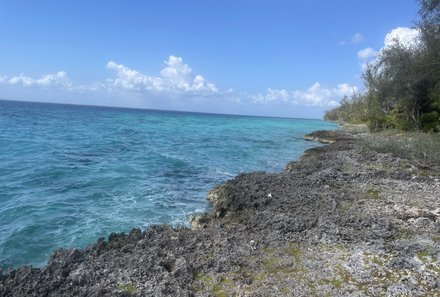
{"points": [[71, 174]]}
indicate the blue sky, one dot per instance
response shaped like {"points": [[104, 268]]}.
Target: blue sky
{"points": [[277, 58]]}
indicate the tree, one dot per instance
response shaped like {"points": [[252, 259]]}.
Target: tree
{"points": [[402, 86]]}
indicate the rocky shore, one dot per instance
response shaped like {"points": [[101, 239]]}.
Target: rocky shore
{"points": [[344, 220]]}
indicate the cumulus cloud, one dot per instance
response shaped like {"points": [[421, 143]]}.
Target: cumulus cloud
{"points": [[58, 79], [316, 95], [324, 96], [176, 77], [405, 36], [366, 53], [365, 56], [130, 79]]}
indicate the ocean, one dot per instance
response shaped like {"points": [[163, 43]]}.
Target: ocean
{"points": [[71, 174]]}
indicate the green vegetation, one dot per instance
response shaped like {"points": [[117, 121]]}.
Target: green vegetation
{"points": [[295, 251], [372, 194], [420, 147], [284, 269], [402, 86], [127, 288]]}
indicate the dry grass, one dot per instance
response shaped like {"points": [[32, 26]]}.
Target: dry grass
{"points": [[355, 128], [416, 146]]}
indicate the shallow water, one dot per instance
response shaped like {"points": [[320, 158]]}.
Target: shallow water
{"points": [[71, 174]]}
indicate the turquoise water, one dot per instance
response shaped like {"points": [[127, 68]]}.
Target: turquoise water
{"points": [[71, 174]]}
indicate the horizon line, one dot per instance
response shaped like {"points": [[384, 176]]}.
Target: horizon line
{"points": [[163, 110]]}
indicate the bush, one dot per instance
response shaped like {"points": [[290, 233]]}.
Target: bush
{"points": [[430, 122]]}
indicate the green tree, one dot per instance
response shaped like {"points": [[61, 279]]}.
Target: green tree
{"points": [[402, 85]]}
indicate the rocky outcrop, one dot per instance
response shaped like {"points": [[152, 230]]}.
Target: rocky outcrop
{"points": [[342, 221], [325, 136]]}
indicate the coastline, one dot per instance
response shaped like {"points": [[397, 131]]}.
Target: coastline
{"points": [[344, 220]]}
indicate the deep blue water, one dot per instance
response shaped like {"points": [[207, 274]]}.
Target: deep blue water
{"points": [[71, 174]]}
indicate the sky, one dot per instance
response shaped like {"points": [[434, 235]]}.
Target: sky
{"points": [[293, 58]]}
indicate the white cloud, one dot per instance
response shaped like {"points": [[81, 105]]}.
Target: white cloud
{"points": [[58, 79], [405, 36], [176, 80], [178, 72], [316, 95], [357, 38], [131, 79], [366, 54], [177, 77]]}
